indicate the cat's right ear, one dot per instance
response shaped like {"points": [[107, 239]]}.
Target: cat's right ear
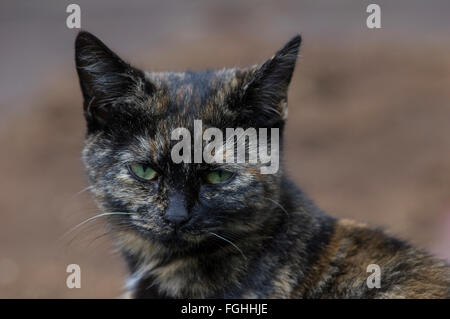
{"points": [[105, 79]]}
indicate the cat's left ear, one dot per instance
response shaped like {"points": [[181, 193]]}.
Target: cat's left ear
{"points": [[264, 97]]}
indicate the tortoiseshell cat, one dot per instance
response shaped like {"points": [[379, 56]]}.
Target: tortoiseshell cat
{"points": [[223, 231]]}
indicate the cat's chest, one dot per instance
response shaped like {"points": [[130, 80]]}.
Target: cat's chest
{"points": [[189, 278], [179, 278]]}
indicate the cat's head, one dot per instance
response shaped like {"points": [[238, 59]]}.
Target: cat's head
{"points": [[131, 116]]}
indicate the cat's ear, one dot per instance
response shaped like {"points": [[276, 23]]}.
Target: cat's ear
{"points": [[264, 97], [105, 78]]}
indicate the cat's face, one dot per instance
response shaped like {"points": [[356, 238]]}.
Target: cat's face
{"points": [[128, 151]]}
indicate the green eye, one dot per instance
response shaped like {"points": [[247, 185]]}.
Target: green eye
{"points": [[219, 176], [143, 171]]}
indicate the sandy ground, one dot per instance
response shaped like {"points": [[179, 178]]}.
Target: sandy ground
{"points": [[367, 138]]}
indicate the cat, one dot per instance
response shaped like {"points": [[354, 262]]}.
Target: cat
{"points": [[198, 230]]}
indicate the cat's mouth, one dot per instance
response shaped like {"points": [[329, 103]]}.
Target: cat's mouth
{"points": [[169, 234]]}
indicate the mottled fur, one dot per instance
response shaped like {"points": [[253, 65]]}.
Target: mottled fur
{"points": [[255, 236]]}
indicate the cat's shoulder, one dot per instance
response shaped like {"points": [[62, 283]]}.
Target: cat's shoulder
{"points": [[356, 250]]}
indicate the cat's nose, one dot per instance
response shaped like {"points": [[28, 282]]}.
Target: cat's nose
{"points": [[176, 212], [176, 220]]}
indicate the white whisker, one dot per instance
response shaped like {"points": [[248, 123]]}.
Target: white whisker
{"points": [[82, 191], [91, 219], [230, 242], [278, 204]]}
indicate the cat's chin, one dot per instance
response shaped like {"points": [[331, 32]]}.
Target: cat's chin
{"points": [[178, 237], [173, 237]]}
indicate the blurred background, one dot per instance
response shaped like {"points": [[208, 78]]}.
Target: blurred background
{"points": [[368, 134]]}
